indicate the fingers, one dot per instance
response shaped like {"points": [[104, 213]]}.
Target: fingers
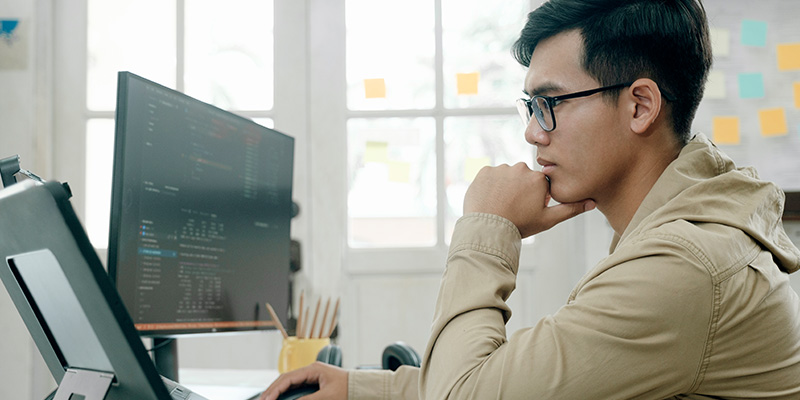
{"points": [[289, 380], [332, 382], [552, 216], [562, 212]]}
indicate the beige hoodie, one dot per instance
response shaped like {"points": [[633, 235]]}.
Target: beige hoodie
{"points": [[693, 302]]}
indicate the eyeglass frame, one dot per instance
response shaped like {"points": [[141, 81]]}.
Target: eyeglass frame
{"points": [[525, 106]]}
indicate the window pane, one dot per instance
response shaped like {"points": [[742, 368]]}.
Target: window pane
{"points": [[128, 35], [392, 182], [390, 54], [268, 122], [99, 168], [472, 143], [229, 53], [477, 39]]}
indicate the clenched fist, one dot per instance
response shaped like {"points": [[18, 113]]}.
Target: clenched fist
{"points": [[521, 196]]}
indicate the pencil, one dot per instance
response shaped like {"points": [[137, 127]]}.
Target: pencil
{"points": [[305, 318], [324, 317], [299, 326], [314, 322], [277, 321], [333, 318]]}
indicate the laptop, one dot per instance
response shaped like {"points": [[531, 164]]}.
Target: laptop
{"points": [[68, 303]]}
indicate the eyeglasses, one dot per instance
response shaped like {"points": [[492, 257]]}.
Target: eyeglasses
{"points": [[542, 106]]}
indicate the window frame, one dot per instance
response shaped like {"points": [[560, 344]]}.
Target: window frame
{"points": [[416, 259], [71, 113]]}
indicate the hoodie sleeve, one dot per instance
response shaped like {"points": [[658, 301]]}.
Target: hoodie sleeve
{"points": [[609, 342], [383, 384]]}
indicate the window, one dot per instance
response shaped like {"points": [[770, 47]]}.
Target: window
{"points": [[221, 54], [431, 86]]}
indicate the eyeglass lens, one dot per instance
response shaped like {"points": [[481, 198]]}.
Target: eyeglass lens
{"points": [[543, 113]]}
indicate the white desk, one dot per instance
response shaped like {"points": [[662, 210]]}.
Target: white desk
{"points": [[227, 384]]}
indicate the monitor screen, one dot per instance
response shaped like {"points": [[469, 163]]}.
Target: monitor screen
{"points": [[200, 214]]}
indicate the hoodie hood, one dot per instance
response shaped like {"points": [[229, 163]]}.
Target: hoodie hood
{"points": [[704, 186]]}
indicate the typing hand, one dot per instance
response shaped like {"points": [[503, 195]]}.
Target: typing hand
{"points": [[521, 196], [332, 382]]}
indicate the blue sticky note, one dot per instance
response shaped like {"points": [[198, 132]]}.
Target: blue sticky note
{"points": [[751, 86], [754, 33]]}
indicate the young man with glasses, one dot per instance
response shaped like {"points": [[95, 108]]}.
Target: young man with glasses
{"points": [[693, 301]]}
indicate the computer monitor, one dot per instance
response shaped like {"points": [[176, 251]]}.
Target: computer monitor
{"points": [[201, 206], [66, 300]]}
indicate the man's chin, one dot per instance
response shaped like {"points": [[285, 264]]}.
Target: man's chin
{"points": [[563, 196]]}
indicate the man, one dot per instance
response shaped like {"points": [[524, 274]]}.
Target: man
{"points": [[694, 300]]}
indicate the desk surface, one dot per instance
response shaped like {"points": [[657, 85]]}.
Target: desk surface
{"points": [[227, 384]]}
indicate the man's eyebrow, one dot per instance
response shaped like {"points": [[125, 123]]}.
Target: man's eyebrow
{"points": [[544, 89]]}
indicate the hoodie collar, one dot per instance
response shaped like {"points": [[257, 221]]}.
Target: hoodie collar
{"points": [[704, 185]]}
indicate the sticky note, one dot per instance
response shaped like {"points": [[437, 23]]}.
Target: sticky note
{"points": [[788, 56], [14, 44], [468, 83], [773, 122], [725, 130], [399, 172], [376, 152], [797, 94], [472, 165], [754, 33], [751, 86], [375, 88], [715, 86], [720, 42]]}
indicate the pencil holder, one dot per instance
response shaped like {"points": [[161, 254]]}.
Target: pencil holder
{"points": [[297, 353]]}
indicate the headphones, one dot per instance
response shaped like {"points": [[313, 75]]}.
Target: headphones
{"points": [[394, 355]]}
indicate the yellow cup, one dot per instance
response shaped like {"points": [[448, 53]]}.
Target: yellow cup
{"points": [[297, 353]]}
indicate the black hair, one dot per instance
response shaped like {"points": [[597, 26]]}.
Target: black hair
{"points": [[624, 40]]}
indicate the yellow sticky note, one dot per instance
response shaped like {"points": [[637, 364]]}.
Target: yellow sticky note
{"points": [[715, 86], [788, 56], [468, 83], [472, 165], [399, 172], [720, 42], [773, 122], [725, 130], [376, 152], [797, 94], [375, 88]]}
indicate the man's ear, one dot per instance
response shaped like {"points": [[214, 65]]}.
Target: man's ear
{"points": [[646, 103]]}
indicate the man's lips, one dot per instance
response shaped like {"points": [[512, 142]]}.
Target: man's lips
{"points": [[547, 166]]}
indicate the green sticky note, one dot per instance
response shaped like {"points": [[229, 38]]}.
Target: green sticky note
{"points": [[715, 86], [376, 152], [474, 164], [720, 42], [751, 86], [754, 33], [399, 172]]}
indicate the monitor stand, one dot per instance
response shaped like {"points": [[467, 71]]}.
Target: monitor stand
{"points": [[84, 384], [165, 356]]}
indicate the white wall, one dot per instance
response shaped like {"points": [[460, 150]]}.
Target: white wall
{"points": [[24, 130]]}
